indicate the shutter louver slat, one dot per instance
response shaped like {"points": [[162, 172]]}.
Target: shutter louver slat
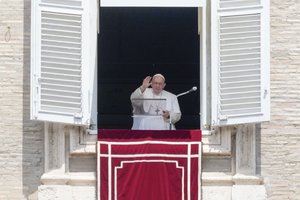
{"points": [[61, 103], [53, 54], [61, 71], [61, 59], [57, 87], [56, 76], [242, 85], [240, 89], [53, 19], [57, 109], [64, 3], [239, 73], [63, 82], [237, 57], [61, 49], [237, 51], [238, 3], [238, 80], [60, 33], [60, 97], [61, 92], [244, 67], [240, 95], [238, 62], [67, 40], [57, 44], [62, 66], [241, 99], [226, 108], [240, 45], [49, 28], [241, 112]]}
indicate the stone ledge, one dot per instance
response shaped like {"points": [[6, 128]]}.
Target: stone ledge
{"points": [[240, 179], [216, 179], [223, 179], [74, 179], [66, 192]]}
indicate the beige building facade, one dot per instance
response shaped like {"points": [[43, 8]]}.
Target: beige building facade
{"points": [[40, 160]]}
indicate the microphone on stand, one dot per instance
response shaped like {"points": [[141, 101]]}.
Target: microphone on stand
{"points": [[193, 89]]}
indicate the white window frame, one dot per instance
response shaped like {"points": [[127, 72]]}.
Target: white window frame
{"points": [[152, 3], [208, 60]]}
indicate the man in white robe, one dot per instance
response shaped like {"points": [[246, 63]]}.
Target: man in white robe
{"points": [[158, 109]]}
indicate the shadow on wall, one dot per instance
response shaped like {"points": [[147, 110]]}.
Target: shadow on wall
{"points": [[33, 132], [258, 148]]}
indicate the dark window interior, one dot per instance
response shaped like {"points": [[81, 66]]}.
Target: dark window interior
{"points": [[137, 42]]}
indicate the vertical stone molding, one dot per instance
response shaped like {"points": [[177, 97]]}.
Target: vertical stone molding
{"points": [[59, 182], [245, 150], [81, 142], [55, 158], [218, 142], [247, 185]]}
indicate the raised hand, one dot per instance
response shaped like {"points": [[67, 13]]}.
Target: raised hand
{"points": [[146, 83]]}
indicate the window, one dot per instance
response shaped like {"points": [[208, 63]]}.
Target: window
{"points": [[234, 64], [135, 42]]}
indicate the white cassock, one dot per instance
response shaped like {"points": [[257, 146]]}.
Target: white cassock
{"points": [[148, 113]]}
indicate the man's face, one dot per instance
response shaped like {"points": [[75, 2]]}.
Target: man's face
{"points": [[157, 84]]}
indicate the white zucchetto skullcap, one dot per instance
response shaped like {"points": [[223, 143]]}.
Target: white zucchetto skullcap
{"points": [[159, 75]]}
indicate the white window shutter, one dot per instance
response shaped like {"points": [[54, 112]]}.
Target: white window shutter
{"points": [[240, 62], [63, 61]]}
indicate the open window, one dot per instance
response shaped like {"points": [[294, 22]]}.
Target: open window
{"points": [[233, 50], [135, 42]]}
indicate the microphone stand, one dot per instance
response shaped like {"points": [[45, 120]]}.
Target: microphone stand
{"points": [[170, 121], [184, 93], [181, 94], [191, 90]]}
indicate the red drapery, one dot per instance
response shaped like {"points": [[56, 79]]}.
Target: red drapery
{"points": [[149, 165]]}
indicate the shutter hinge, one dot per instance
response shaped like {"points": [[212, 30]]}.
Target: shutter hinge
{"points": [[265, 93], [38, 79], [207, 126], [223, 118], [78, 115]]}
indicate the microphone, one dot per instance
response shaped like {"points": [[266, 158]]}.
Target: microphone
{"points": [[193, 89]]}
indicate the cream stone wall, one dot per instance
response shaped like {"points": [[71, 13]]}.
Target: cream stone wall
{"points": [[59, 162], [279, 140], [21, 140]]}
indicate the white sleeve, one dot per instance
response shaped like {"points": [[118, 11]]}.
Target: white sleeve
{"points": [[175, 113], [137, 106], [136, 94], [175, 117]]}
